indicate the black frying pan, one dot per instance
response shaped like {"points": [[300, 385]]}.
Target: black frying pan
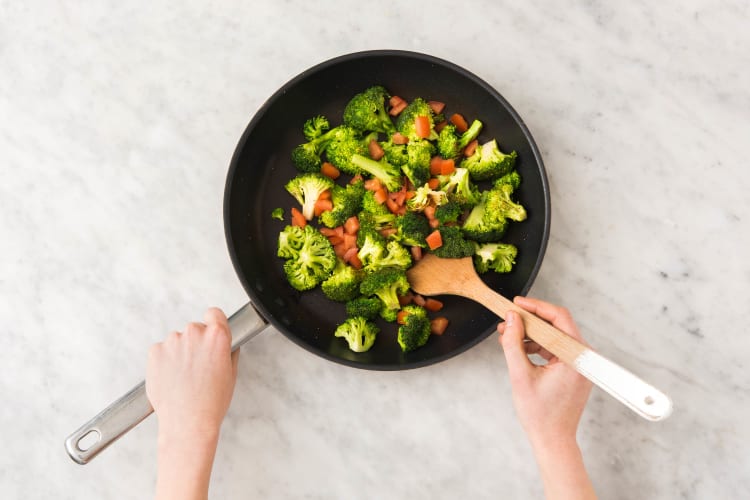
{"points": [[261, 166]]}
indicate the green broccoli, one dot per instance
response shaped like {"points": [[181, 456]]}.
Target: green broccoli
{"points": [[512, 178], [306, 189], [366, 111], [307, 157], [373, 223], [488, 162], [484, 225], [405, 123], [390, 315], [454, 245], [395, 154], [315, 127], [358, 332], [499, 202], [448, 212], [345, 144], [425, 196], [387, 284], [459, 188], [366, 307], [371, 206], [415, 331], [498, 257], [291, 240], [394, 256], [451, 145], [347, 201], [343, 285], [388, 175], [412, 229], [277, 213], [312, 263], [372, 248], [417, 166]]}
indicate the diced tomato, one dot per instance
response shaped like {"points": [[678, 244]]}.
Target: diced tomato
{"points": [[399, 197], [434, 183], [419, 300], [429, 212], [387, 232], [354, 260], [401, 317], [433, 305], [350, 241], [436, 106], [351, 226], [434, 223], [440, 126], [447, 167], [438, 325], [434, 240], [460, 123], [416, 253], [399, 138], [372, 184], [335, 240], [356, 179], [322, 206], [339, 250], [392, 205], [397, 109], [422, 126], [349, 253], [340, 231], [380, 196], [471, 147], [325, 195], [376, 152], [327, 231], [409, 195], [297, 218], [401, 210], [404, 300], [395, 100], [436, 165], [329, 170]]}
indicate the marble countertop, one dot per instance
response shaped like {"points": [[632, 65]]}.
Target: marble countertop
{"points": [[119, 122]]}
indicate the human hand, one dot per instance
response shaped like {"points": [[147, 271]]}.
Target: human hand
{"points": [[190, 378], [549, 399]]}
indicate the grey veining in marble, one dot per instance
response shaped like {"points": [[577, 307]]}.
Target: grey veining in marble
{"points": [[118, 123]]}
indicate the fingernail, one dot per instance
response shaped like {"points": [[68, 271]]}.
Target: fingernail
{"points": [[509, 318]]}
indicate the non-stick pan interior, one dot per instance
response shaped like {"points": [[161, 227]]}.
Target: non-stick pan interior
{"points": [[261, 166]]}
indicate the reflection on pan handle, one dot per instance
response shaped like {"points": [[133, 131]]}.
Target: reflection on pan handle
{"points": [[133, 407]]}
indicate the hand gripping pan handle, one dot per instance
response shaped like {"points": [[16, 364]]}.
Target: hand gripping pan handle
{"points": [[133, 407]]}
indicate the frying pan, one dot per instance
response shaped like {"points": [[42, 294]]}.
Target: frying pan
{"points": [[255, 186]]}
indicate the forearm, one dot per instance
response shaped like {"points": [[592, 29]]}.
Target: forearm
{"points": [[184, 466], [563, 471]]}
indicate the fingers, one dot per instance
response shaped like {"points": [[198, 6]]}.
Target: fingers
{"points": [[556, 315], [511, 339], [216, 319]]}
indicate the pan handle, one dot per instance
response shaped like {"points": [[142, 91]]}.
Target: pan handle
{"points": [[133, 407]]}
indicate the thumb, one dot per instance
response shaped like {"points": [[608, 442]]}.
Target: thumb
{"points": [[519, 365]]}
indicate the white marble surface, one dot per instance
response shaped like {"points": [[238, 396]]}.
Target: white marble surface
{"points": [[118, 123]]}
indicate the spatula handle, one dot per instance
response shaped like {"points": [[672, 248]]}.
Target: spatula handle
{"points": [[642, 398]]}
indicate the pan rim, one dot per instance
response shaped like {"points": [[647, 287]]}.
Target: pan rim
{"points": [[260, 113]]}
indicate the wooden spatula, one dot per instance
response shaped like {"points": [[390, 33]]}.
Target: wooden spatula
{"points": [[435, 276]]}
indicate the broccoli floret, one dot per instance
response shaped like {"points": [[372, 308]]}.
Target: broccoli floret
{"points": [[358, 332], [366, 111], [454, 245], [371, 206], [405, 123], [512, 179], [425, 196], [366, 307], [459, 188], [483, 225], [448, 212], [394, 256], [277, 213], [343, 285], [306, 189], [291, 240], [412, 229], [451, 145], [373, 223], [347, 201], [395, 154], [372, 248], [498, 257], [388, 175], [488, 162], [387, 284], [499, 203], [389, 315], [417, 166], [315, 127], [345, 144], [415, 331], [306, 157], [313, 262]]}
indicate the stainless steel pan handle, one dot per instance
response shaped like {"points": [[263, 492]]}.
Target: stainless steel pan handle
{"points": [[133, 407]]}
